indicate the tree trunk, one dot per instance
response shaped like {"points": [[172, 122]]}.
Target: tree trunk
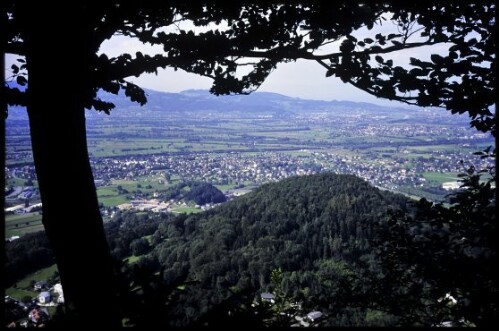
{"points": [[58, 69]]}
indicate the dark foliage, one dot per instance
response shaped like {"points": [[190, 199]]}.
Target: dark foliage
{"points": [[440, 264], [317, 229], [27, 255], [203, 193]]}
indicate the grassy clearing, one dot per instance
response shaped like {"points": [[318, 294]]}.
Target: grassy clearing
{"points": [[224, 187], [20, 224], [16, 218], [20, 293], [15, 181], [186, 210], [113, 201], [440, 178], [148, 238], [23, 231], [108, 195], [24, 285], [441, 148], [132, 259], [107, 191]]}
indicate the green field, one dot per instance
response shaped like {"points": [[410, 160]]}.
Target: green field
{"points": [[132, 259], [186, 210], [15, 182], [112, 201], [224, 187], [24, 288], [440, 178], [19, 224]]}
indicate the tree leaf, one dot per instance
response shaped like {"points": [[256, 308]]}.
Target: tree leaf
{"points": [[386, 70], [347, 46], [21, 80], [352, 38], [15, 69], [437, 59], [393, 35]]}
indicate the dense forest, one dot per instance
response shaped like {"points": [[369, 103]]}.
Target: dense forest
{"points": [[315, 231]]}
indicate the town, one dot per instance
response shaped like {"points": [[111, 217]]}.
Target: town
{"points": [[252, 169]]}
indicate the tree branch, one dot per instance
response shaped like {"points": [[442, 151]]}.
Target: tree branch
{"points": [[17, 48], [370, 51]]}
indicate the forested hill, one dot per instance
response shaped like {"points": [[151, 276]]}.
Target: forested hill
{"points": [[308, 226]]}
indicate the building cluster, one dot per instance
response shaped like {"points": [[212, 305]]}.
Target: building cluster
{"points": [[393, 172], [159, 206], [33, 312], [259, 168], [293, 311]]}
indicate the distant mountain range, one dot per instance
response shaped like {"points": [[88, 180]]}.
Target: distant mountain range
{"points": [[266, 102], [254, 103]]}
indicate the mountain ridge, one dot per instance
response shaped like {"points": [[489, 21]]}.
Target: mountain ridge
{"points": [[273, 100], [259, 103]]}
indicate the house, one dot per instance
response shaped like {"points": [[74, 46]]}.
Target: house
{"points": [[11, 239], [269, 297], [301, 322], [44, 298], [41, 285], [60, 294], [58, 289], [314, 316]]}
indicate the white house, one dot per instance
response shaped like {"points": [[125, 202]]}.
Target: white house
{"points": [[314, 316], [269, 297], [44, 298], [58, 290], [11, 239], [40, 285], [451, 186]]}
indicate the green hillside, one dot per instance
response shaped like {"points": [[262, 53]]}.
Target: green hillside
{"points": [[308, 226]]}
